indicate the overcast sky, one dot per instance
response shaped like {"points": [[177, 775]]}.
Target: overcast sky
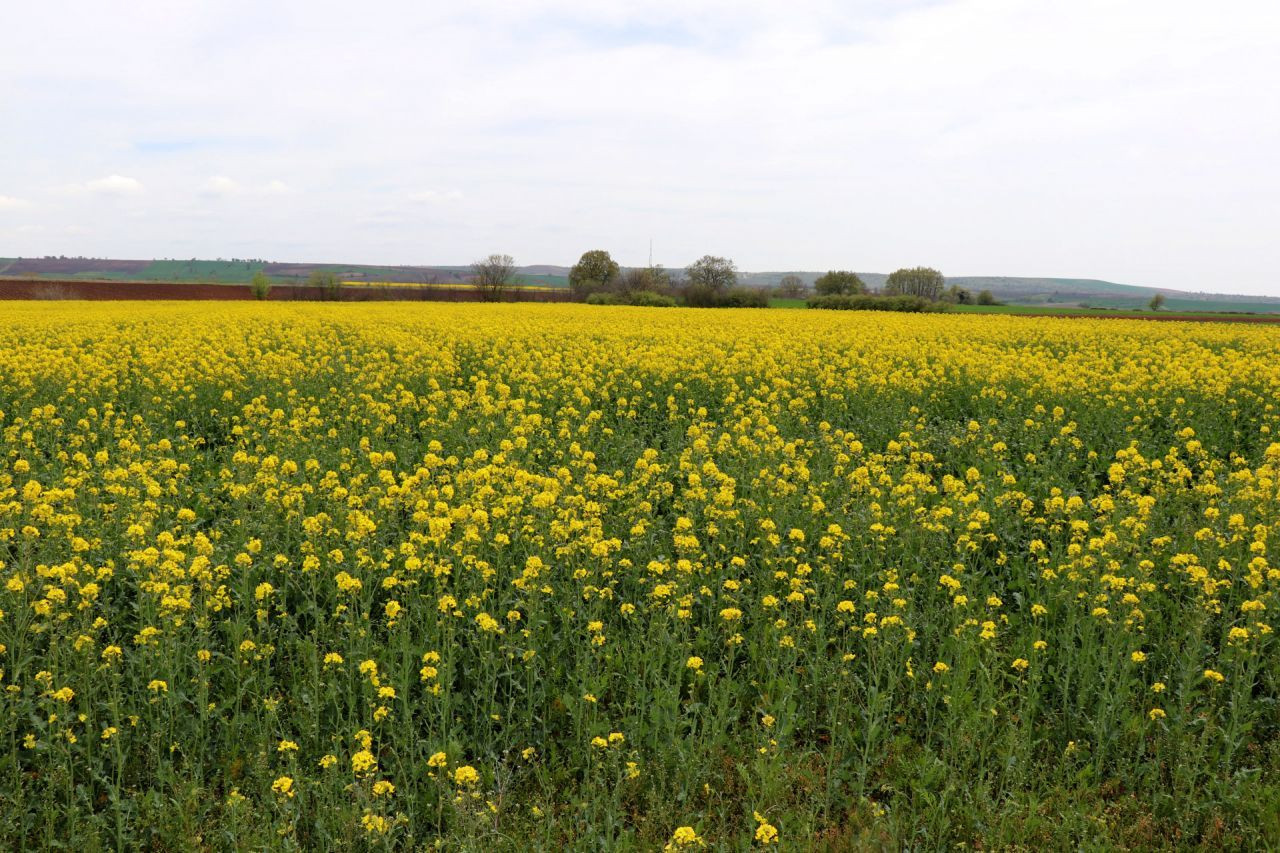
{"points": [[1132, 141]]}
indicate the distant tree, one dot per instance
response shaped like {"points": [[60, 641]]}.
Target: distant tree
{"points": [[838, 282], [595, 271], [1157, 302], [985, 297], [924, 282], [791, 286], [642, 280], [493, 275], [324, 284], [713, 274], [958, 295], [260, 285]]}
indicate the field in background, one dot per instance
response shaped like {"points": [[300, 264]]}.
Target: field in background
{"points": [[1050, 295], [240, 272], [540, 576]]}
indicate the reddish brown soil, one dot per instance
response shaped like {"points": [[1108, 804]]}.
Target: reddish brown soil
{"points": [[49, 289]]}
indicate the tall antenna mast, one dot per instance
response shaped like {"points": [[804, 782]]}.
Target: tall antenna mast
{"points": [[650, 252]]}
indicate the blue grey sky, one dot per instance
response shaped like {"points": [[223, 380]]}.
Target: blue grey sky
{"points": [[1128, 141]]}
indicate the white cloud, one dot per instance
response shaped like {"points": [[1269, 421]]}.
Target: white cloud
{"points": [[221, 186], [1126, 141], [114, 185], [11, 203], [435, 196]]}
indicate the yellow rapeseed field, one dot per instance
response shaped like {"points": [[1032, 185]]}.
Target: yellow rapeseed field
{"points": [[497, 577]]}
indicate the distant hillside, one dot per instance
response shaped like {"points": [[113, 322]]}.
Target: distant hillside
{"points": [[239, 271], [1061, 291], [1012, 289]]}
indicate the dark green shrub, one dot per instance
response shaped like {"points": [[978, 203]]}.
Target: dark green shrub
{"points": [[697, 296], [867, 302], [649, 299]]}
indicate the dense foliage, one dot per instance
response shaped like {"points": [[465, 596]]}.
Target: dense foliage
{"points": [[595, 271], [924, 282], [871, 302], [837, 282], [327, 576]]}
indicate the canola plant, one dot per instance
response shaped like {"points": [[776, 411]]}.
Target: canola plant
{"points": [[392, 576]]}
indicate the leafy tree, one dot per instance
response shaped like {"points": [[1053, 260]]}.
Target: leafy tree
{"points": [[493, 275], [596, 270], [791, 286], [324, 284], [924, 282], [985, 297], [839, 282], [1157, 302], [260, 285], [712, 274]]}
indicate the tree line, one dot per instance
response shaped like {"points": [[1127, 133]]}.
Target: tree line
{"points": [[712, 281]]}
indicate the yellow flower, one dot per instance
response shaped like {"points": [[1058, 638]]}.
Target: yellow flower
{"points": [[383, 788], [363, 763], [1214, 675], [438, 759], [158, 686], [283, 786], [465, 775], [684, 836], [1020, 664], [940, 667], [375, 824], [1138, 657], [1156, 714], [694, 662]]}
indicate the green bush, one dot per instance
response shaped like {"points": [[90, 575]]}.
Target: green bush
{"points": [[867, 302], [649, 299], [644, 298], [698, 296]]}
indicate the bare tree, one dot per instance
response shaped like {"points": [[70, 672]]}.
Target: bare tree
{"points": [[492, 276], [791, 286]]}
